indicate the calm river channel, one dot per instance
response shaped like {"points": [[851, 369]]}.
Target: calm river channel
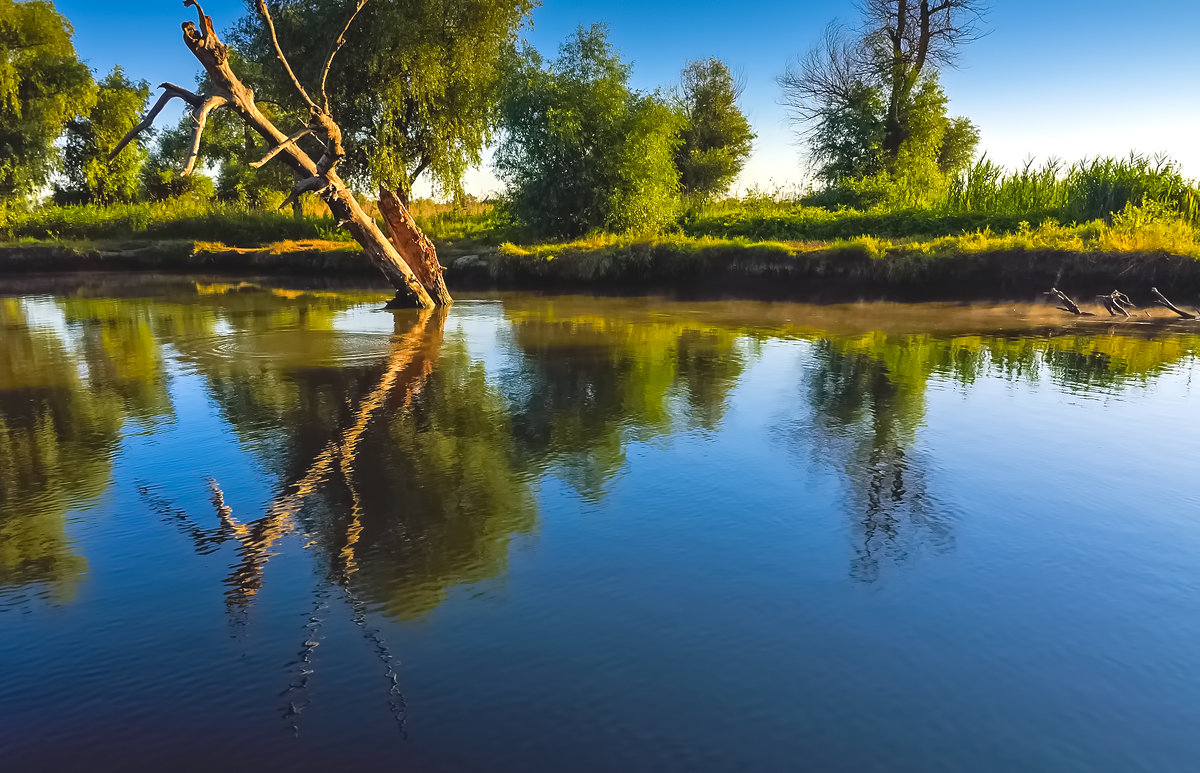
{"points": [[245, 527]]}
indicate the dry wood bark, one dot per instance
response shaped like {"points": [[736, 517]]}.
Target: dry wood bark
{"points": [[1116, 303], [413, 245], [320, 176], [1162, 300], [1068, 305]]}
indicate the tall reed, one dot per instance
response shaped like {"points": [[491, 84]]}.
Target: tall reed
{"points": [[1088, 190]]}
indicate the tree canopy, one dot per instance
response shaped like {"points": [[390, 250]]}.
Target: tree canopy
{"points": [[43, 85], [580, 150], [414, 88], [716, 139], [229, 147], [89, 174]]}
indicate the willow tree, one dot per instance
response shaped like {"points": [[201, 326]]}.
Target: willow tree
{"points": [[416, 91], [405, 255], [43, 85]]}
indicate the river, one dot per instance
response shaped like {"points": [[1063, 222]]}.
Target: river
{"points": [[246, 526]]}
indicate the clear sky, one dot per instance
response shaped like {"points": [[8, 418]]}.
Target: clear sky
{"points": [[1069, 79]]}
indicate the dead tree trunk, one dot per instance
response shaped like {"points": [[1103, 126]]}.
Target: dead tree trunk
{"points": [[319, 177], [413, 245]]}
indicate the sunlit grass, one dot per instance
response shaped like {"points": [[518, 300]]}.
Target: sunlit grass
{"points": [[1127, 205]]}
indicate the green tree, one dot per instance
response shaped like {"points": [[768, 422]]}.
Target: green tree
{"points": [[716, 139], [414, 88], [89, 174], [580, 150], [43, 85], [937, 146], [864, 108], [906, 40], [161, 180], [959, 142]]}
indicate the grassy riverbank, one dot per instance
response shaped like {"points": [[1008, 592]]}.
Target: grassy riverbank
{"points": [[757, 245]]}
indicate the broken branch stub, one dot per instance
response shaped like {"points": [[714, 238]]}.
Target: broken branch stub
{"points": [[413, 245], [200, 117]]}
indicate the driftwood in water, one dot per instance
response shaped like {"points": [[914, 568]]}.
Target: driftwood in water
{"points": [[319, 177], [1068, 305], [1116, 303], [1162, 300]]}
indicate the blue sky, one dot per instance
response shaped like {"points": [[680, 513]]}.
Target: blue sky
{"points": [[1069, 79]]}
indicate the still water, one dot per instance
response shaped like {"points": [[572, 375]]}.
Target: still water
{"points": [[245, 528]]}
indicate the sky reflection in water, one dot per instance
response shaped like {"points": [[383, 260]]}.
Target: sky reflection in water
{"points": [[243, 526]]}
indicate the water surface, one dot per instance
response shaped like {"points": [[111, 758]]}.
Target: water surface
{"points": [[246, 527]]}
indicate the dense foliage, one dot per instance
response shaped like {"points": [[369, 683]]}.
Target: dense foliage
{"points": [[421, 86], [89, 174], [716, 139], [580, 150], [414, 88], [43, 85]]}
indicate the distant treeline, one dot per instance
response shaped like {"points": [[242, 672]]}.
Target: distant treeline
{"points": [[578, 149]]}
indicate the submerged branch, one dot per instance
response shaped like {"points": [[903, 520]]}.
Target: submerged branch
{"points": [[1116, 303], [1068, 305], [1162, 300]]}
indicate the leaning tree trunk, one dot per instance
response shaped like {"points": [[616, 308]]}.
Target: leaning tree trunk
{"points": [[319, 177], [413, 245]]}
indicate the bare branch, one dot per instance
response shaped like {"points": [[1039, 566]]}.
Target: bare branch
{"points": [[200, 117], [281, 147], [1162, 300], [1068, 305], [1116, 303], [828, 78], [307, 185], [338, 42], [170, 91], [265, 13]]}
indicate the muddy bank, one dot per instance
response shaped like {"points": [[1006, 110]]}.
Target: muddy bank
{"points": [[842, 274], [184, 256], [732, 270]]}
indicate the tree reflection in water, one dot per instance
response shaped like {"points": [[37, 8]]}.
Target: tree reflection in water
{"points": [[408, 472], [56, 439], [589, 385], [866, 416], [868, 396]]}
